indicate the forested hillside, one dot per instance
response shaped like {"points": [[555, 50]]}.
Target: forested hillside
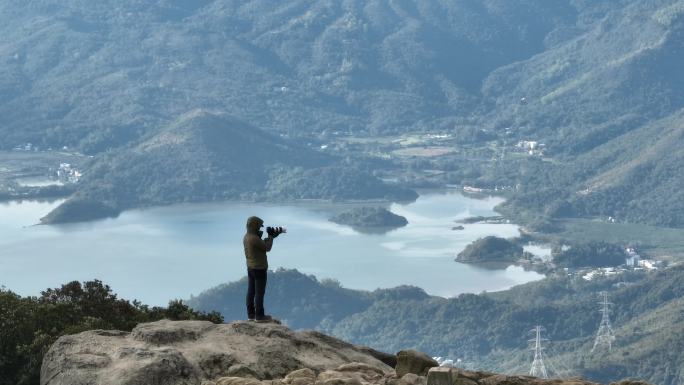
{"points": [[597, 82], [100, 75], [207, 157], [491, 330]]}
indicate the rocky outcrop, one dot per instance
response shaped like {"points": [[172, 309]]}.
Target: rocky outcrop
{"points": [[189, 352], [245, 353], [412, 361]]}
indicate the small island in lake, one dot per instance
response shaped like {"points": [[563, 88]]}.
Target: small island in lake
{"points": [[491, 249], [370, 219]]}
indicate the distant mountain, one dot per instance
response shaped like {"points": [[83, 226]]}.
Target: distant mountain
{"points": [[634, 177], [96, 76], [607, 99], [490, 331], [206, 157], [101, 75], [596, 82]]}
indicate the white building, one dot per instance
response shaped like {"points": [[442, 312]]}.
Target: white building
{"points": [[650, 264]]}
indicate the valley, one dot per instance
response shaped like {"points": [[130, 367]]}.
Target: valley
{"points": [[136, 137]]}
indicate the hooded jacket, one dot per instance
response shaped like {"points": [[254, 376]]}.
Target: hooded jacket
{"points": [[255, 247]]}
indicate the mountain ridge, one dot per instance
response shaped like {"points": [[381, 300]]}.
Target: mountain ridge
{"points": [[205, 156], [574, 75]]}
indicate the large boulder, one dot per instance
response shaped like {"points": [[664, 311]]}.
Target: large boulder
{"points": [[413, 361], [190, 352]]}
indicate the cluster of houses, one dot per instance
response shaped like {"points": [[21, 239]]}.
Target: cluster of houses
{"points": [[26, 147], [633, 262], [531, 147], [476, 190], [451, 363], [30, 147], [67, 173]]}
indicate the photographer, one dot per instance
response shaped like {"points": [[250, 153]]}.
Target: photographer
{"points": [[257, 266]]}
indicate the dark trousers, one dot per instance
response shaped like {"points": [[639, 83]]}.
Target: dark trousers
{"points": [[256, 289]]}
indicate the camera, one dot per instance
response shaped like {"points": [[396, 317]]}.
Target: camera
{"points": [[275, 231]]}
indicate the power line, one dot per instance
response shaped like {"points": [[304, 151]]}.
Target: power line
{"points": [[555, 361], [538, 368], [604, 336]]}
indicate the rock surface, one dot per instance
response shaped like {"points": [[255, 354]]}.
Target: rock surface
{"points": [[413, 361], [189, 352], [246, 353]]}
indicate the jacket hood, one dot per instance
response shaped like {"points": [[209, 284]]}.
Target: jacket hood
{"points": [[254, 224]]}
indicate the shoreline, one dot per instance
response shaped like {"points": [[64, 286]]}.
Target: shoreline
{"points": [[189, 239]]}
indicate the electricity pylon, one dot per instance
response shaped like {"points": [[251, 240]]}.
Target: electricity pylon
{"points": [[538, 368], [604, 336]]}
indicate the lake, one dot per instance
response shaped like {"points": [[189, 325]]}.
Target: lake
{"points": [[171, 252]]}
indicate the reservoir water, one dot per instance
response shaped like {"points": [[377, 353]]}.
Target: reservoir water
{"points": [[158, 254]]}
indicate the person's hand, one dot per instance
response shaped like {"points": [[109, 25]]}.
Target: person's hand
{"points": [[274, 231], [261, 233]]}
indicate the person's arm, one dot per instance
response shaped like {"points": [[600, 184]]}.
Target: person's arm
{"points": [[263, 244]]}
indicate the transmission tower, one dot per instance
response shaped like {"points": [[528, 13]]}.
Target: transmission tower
{"points": [[604, 336], [538, 368]]}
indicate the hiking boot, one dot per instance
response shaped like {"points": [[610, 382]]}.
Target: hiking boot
{"points": [[266, 318]]}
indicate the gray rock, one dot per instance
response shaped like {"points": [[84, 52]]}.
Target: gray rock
{"points": [[189, 352], [355, 373], [413, 361], [464, 381], [412, 379], [440, 376], [237, 381], [334, 377], [455, 376], [304, 376], [299, 374]]}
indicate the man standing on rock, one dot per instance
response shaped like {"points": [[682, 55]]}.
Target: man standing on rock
{"points": [[257, 266]]}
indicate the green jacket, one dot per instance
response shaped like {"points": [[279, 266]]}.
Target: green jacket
{"points": [[255, 247]]}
